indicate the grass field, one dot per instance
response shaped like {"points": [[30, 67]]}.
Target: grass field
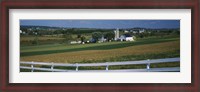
{"points": [[48, 39], [103, 52], [30, 38]]}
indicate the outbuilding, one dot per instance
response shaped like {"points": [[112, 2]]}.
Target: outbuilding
{"points": [[126, 37]]}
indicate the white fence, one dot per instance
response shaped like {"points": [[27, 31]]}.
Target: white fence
{"points": [[107, 64]]}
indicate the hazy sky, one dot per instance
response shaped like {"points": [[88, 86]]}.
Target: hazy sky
{"points": [[104, 23]]}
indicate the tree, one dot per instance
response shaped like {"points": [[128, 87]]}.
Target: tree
{"points": [[82, 39], [57, 32], [68, 37], [35, 41], [79, 36], [175, 32], [109, 36], [96, 35], [141, 35]]}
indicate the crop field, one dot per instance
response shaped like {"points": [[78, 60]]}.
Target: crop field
{"points": [[29, 38], [47, 39], [103, 52]]}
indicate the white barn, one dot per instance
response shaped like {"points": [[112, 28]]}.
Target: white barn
{"points": [[126, 37]]}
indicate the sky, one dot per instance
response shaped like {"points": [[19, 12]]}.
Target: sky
{"points": [[104, 23]]}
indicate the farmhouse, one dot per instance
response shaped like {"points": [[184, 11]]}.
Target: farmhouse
{"points": [[138, 31], [102, 39], [141, 31], [126, 37]]}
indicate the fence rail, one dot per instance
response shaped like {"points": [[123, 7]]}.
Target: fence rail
{"points": [[107, 64]]}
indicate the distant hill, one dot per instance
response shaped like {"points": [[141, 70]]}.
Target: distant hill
{"points": [[49, 27]]}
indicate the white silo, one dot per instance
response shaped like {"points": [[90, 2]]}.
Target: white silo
{"points": [[116, 34]]}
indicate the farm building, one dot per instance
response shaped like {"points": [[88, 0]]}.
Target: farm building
{"points": [[126, 37], [138, 31], [22, 32], [116, 34], [75, 42], [141, 31], [102, 39], [126, 31]]}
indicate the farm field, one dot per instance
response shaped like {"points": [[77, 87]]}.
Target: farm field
{"points": [[29, 40], [152, 48], [47, 39]]}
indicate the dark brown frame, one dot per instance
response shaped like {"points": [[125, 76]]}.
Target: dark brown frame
{"points": [[99, 4]]}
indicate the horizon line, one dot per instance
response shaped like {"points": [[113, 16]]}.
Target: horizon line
{"points": [[102, 28]]}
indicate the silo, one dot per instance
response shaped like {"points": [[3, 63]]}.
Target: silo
{"points": [[116, 33]]}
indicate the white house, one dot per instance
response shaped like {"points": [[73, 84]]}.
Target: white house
{"points": [[20, 31], [141, 31], [134, 32], [126, 37], [126, 31], [102, 39]]}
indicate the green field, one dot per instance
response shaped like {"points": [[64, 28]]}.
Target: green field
{"points": [[141, 49], [103, 52], [48, 39]]}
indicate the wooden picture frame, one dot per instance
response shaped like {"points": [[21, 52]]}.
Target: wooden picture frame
{"points": [[99, 4]]}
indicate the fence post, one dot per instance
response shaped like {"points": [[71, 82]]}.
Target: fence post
{"points": [[32, 69], [148, 65], [107, 66], [52, 67], [76, 66]]}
